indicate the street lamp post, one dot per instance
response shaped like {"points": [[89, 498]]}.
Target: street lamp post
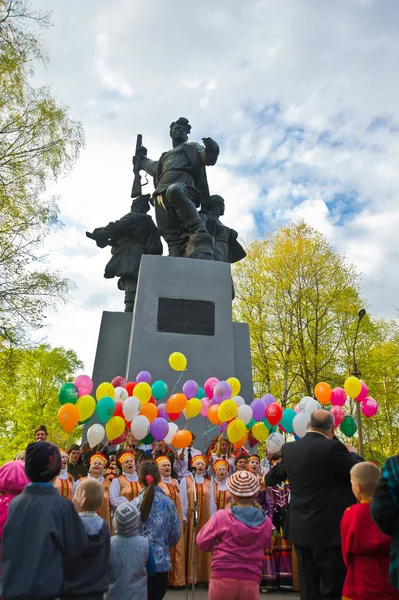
{"points": [[356, 373]]}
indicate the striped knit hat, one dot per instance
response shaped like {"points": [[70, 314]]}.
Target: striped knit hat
{"points": [[243, 484], [126, 519]]}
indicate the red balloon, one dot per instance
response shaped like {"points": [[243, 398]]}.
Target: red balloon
{"points": [[120, 439], [129, 387], [119, 382], [119, 410], [174, 416], [274, 413], [152, 400], [251, 440]]}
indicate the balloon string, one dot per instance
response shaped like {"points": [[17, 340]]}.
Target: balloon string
{"points": [[178, 381], [105, 445]]}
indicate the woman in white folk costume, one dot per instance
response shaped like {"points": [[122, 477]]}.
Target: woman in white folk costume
{"points": [[98, 464], [220, 495], [177, 577], [64, 481], [224, 451], [202, 487], [126, 487]]}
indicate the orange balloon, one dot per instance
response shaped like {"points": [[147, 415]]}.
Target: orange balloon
{"points": [[322, 391], [213, 414], [150, 411], [241, 442], [182, 438], [176, 403], [68, 417]]}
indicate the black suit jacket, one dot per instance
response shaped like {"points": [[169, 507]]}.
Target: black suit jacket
{"points": [[317, 469]]}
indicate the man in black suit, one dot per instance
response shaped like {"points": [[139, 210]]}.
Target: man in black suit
{"points": [[317, 468]]}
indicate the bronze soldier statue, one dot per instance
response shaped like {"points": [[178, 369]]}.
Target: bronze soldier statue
{"points": [[132, 236], [180, 186]]}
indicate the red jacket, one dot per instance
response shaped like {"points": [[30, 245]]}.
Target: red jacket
{"points": [[366, 554]]}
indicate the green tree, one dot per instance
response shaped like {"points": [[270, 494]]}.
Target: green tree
{"points": [[30, 381], [38, 143]]}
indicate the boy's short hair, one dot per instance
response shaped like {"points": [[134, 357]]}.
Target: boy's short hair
{"points": [[94, 494], [367, 475]]}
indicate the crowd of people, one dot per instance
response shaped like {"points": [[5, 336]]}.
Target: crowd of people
{"points": [[315, 518]]}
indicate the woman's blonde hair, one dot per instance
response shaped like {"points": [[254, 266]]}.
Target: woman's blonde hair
{"points": [[20, 456]]}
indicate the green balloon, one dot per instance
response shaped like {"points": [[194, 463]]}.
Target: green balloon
{"points": [[105, 409], [286, 421], [348, 426], [201, 393], [148, 439], [68, 394], [159, 389], [251, 424]]}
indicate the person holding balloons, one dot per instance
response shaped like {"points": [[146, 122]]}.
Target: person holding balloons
{"points": [[177, 577], [223, 451], [220, 495], [98, 464], [64, 481], [184, 460], [202, 490], [126, 487]]}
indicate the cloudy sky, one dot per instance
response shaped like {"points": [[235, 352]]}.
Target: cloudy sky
{"points": [[301, 95]]}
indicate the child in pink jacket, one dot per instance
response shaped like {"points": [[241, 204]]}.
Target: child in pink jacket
{"points": [[238, 538], [12, 482]]}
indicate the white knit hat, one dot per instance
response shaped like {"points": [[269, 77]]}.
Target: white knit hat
{"points": [[243, 484], [126, 519]]}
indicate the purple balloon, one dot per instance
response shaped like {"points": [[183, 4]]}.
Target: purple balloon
{"points": [[190, 389], [215, 401], [162, 410], [258, 410], [223, 427], [144, 377], [268, 399], [222, 391], [159, 428]]}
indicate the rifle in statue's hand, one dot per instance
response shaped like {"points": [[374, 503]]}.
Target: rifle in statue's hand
{"points": [[140, 153]]}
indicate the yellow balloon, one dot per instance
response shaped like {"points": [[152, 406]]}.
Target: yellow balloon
{"points": [[227, 411], [114, 428], [193, 408], [142, 391], [353, 387], [86, 406], [105, 389], [177, 361], [260, 432], [236, 430], [235, 386]]}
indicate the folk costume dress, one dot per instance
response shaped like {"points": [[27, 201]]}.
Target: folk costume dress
{"points": [[105, 510], [64, 484], [177, 577], [203, 559], [220, 495], [126, 487]]}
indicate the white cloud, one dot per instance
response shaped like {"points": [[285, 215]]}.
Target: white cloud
{"points": [[302, 97]]}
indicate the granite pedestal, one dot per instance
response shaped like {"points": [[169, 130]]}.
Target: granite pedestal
{"points": [[183, 306]]}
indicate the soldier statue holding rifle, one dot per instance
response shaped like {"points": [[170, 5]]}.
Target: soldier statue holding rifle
{"points": [[180, 187]]}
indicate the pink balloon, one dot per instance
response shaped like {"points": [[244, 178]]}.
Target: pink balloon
{"points": [[210, 386], [338, 397], [84, 383], [338, 413], [363, 394], [297, 409], [369, 407], [206, 402]]}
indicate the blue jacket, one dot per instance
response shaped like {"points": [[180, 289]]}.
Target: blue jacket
{"points": [[162, 528], [42, 530], [385, 512]]}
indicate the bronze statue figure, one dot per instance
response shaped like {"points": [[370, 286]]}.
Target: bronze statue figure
{"points": [[180, 187], [132, 236]]}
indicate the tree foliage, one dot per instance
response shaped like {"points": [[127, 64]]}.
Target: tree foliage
{"points": [[30, 380], [38, 143]]}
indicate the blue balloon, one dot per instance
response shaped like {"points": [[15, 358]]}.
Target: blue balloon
{"points": [[201, 393], [105, 409], [286, 421], [159, 389]]}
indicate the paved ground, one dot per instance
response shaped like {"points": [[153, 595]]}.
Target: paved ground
{"points": [[203, 595]]}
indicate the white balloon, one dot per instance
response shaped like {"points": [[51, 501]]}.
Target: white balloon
{"points": [[140, 427], [274, 442], [304, 402], [300, 424], [131, 408], [95, 434], [173, 428], [245, 413], [121, 394], [239, 400], [311, 406]]}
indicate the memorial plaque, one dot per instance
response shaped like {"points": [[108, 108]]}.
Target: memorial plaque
{"points": [[192, 317]]}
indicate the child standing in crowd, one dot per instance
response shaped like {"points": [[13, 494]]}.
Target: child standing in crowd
{"points": [[230, 533], [86, 574], [12, 482], [131, 557], [241, 462], [365, 548], [40, 517]]}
